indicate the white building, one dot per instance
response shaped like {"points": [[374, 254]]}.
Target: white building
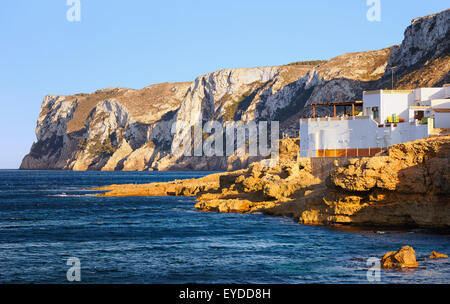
{"points": [[388, 117]]}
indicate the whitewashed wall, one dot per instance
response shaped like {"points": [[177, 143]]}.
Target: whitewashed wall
{"points": [[372, 100], [440, 103], [354, 133], [396, 104], [442, 120], [390, 103], [424, 94]]}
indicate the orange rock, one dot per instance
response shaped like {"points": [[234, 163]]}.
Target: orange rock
{"points": [[435, 255], [403, 258], [316, 192]]}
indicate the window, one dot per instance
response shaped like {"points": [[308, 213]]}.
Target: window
{"points": [[376, 113], [418, 115]]}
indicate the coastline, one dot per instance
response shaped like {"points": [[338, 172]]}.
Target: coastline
{"points": [[60, 217], [408, 186]]}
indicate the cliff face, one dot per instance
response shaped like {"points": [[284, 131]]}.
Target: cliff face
{"points": [[426, 39], [125, 129], [410, 185], [423, 57], [107, 130]]}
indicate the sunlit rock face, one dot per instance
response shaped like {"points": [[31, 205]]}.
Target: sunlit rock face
{"points": [[426, 39]]}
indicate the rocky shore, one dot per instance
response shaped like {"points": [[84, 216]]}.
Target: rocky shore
{"points": [[406, 186]]}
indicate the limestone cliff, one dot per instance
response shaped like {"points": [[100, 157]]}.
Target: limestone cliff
{"points": [[125, 129], [423, 58], [110, 129]]}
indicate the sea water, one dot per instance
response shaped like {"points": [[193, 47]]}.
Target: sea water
{"points": [[47, 217]]}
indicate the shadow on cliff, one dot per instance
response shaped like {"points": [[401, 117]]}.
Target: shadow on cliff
{"points": [[421, 198]]}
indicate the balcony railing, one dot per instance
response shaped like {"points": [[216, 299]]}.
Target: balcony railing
{"points": [[343, 153], [335, 118]]}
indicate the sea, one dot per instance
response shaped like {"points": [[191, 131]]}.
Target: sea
{"points": [[49, 219]]}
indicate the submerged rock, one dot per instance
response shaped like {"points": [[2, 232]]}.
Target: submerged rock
{"points": [[403, 258]]}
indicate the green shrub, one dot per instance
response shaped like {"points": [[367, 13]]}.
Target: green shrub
{"points": [[243, 102], [311, 62], [82, 143], [104, 148], [230, 111]]}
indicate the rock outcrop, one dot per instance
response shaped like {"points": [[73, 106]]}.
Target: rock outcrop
{"points": [[189, 188], [425, 39], [406, 186], [125, 129], [424, 52], [435, 255], [403, 258]]}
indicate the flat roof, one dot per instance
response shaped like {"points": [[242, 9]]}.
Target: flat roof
{"points": [[372, 92], [441, 110], [338, 103], [420, 107], [387, 92]]}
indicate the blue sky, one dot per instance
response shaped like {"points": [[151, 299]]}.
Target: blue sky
{"points": [[136, 43]]}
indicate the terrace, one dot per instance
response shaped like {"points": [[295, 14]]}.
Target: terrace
{"points": [[356, 106]]}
